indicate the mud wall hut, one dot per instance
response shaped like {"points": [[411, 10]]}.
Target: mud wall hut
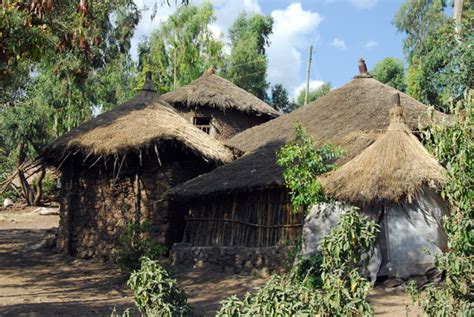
{"points": [[351, 117], [116, 167], [218, 107], [395, 181]]}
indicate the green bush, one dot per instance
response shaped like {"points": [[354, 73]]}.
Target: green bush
{"points": [[302, 164], [134, 243], [155, 293], [329, 283], [453, 147], [279, 297], [50, 187]]}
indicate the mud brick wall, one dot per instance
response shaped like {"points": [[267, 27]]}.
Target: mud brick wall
{"points": [[93, 213]]}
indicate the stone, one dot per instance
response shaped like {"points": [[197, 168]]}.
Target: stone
{"points": [[7, 202]]}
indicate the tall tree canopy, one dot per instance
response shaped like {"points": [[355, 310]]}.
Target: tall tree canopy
{"points": [[313, 94], [280, 100], [182, 48], [390, 71], [441, 63], [247, 64]]}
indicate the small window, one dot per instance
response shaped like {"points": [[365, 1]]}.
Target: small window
{"points": [[203, 123]]}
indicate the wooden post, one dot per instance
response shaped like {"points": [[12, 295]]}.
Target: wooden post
{"points": [[308, 69], [457, 15]]}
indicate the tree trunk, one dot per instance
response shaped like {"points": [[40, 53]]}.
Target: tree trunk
{"points": [[39, 187], [25, 187]]}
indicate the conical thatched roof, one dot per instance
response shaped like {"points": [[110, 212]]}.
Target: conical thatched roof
{"points": [[351, 117], [141, 121], [213, 91], [394, 167]]}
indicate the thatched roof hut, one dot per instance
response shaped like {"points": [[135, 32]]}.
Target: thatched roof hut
{"points": [[351, 117], [252, 187], [395, 182], [396, 167], [143, 121], [218, 106], [116, 168]]}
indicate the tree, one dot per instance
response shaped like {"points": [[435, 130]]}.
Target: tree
{"points": [[247, 64], [313, 94], [441, 63], [453, 147], [279, 99], [390, 71], [182, 48]]}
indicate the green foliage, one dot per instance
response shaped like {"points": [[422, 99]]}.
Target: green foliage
{"points": [[280, 100], [247, 64], [313, 94], [441, 64], [302, 163], [452, 145], [135, 243], [50, 187], [344, 250], [24, 129], [182, 48], [338, 290], [279, 297], [155, 292], [390, 71]]}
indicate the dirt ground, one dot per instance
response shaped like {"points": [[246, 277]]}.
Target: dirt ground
{"points": [[36, 281]]}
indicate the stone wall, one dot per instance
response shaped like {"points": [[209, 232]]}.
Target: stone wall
{"points": [[235, 259], [93, 213]]}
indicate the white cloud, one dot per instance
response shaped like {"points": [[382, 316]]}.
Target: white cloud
{"points": [[371, 44], [313, 84], [294, 29], [364, 4], [146, 25], [338, 43]]}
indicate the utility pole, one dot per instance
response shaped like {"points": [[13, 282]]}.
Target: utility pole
{"points": [[308, 69], [457, 15]]}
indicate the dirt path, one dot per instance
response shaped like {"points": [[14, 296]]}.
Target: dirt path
{"points": [[38, 282]]}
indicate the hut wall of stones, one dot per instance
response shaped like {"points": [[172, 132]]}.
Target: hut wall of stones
{"points": [[224, 124], [95, 210]]}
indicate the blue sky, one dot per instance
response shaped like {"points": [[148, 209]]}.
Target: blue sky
{"points": [[341, 32]]}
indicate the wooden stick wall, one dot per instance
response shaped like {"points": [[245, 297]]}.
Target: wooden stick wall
{"points": [[256, 219]]}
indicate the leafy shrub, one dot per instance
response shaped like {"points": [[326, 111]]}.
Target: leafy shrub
{"points": [[309, 270], [453, 147], [155, 293], [302, 163], [135, 242], [50, 187], [279, 297], [333, 286]]}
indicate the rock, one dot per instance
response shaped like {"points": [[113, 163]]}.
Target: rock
{"points": [[7, 202], [45, 211]]}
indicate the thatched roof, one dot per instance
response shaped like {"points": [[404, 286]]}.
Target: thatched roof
{"points": [[140, 122], [395, 167], [351, 117], [213, 91]]}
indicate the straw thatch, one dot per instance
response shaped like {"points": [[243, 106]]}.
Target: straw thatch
{"points": [[394, 167], [351, 117], [213, 91], [142, 121]]}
